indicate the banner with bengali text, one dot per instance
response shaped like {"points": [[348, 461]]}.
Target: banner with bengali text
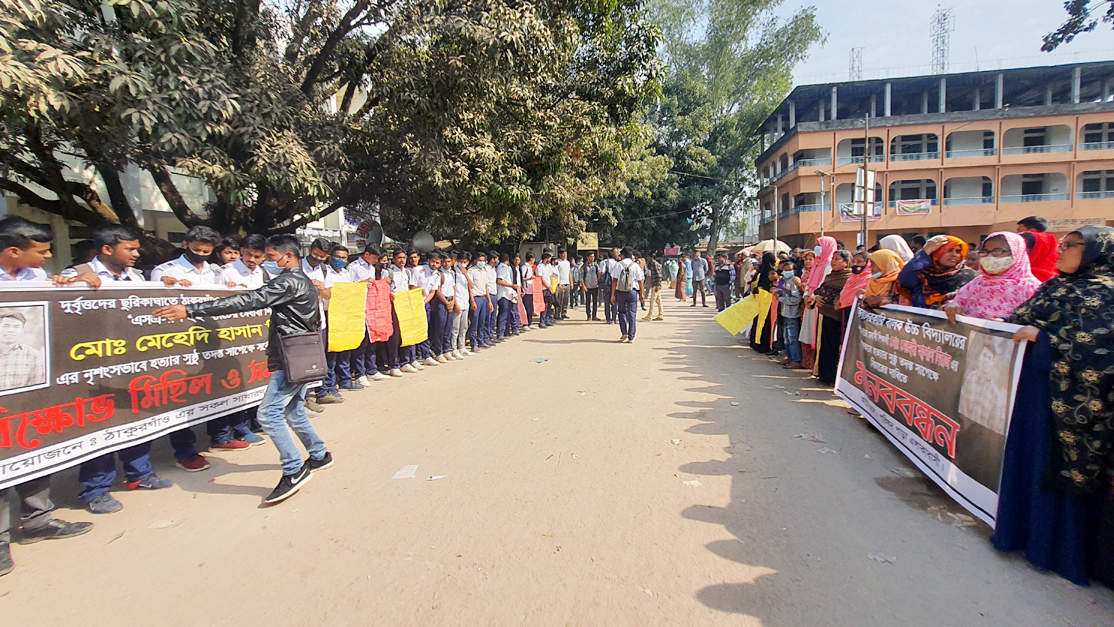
{"points": [[86, 372], [942, 393]]}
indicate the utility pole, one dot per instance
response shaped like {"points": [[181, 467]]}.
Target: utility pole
{"points": [[823, 206], [777, 214], [867, 183]]}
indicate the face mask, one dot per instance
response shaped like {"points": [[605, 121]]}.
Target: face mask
{"points": [[788, 274], [271, 267], [996, 265], [857, 269], [194, 258], [818, 250], [313, 261], [877, 275], [337, 263]]}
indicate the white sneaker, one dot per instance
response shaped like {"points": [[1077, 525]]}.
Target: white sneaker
{"points": [[457, 354], [441, 359], [407, 368], [364, 380], [379, 376], [395, 372], [467, 353], [430, 361], [449, 356], [417, 365]]}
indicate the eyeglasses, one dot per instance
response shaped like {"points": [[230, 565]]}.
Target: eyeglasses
{"points": [[997, 252], [1065, 245]]}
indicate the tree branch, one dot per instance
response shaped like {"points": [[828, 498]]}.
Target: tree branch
{"points": [[69, 211], [173, 197], [344, 27], [116, 195]]}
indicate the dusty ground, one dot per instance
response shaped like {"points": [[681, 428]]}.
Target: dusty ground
{"points": [[567, 502]]}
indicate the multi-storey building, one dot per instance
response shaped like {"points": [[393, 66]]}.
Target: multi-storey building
{"points": [[964, 154]]}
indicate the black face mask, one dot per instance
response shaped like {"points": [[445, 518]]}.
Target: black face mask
{"points": [[857, 269], [313, 261], [194, 258]]}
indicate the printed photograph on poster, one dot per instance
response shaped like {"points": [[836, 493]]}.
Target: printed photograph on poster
{"points": [[24, 338], [984, 407]]}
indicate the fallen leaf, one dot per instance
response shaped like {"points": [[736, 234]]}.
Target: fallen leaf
{"points": [[882, 559]]}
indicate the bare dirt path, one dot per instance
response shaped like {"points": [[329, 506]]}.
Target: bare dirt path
{"points": [[656, 483]]}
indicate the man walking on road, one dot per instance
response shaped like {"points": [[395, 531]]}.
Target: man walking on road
{"points": [[605, 286], [590, 284], [699, 272], [293, 299], [654, 281], [564, 284], [626, 283]]}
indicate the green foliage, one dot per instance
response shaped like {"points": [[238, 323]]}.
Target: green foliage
{"points": [[1082, 18]]}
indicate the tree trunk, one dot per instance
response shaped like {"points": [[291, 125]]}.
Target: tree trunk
{"points": [[173, 198], [120, 205], [713, 229]]}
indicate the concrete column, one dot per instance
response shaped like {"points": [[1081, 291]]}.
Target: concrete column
{"points": [[1076, 77], [1048, 96], [999, 88], [874, 105], [943, 95], [1105, 90], [886, 105], [978, 98], [924, 103], [821, 107], [761, 142], [779, 124], [792, 114], [835, 115]]}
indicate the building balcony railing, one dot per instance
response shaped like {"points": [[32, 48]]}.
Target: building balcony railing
{"points": [[915, 156], [1032, 150], [767, 219], [1096, 195], [810, 163], [893, 203], [972, 152], [1097, 146], [859, 159], [782, 174], [1033, 197], [972, 200]]}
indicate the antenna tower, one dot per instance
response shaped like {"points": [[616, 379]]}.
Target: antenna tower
{"points": [[855, 65], [941, 26]]}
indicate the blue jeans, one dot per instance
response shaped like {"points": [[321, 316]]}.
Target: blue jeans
{"points": [[330, 382], [437, 316], [448, 342], [504, 317], [235, 425], [792, 331], [183, 442], [475, 321], [609, 310], [284, 408], [626, 309], [98, 473]]}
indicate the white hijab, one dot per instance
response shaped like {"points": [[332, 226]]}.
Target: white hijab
{"points": [[897, 244]]}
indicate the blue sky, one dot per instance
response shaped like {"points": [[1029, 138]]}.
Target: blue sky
{"points": [[896, 42]]}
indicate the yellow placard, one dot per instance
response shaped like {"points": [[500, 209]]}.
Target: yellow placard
{"points": [[587, 241], [412, 324], [739, 315], [346, 316]]}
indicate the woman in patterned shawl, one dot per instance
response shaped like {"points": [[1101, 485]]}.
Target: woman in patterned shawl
{"points": [[936, 272]]}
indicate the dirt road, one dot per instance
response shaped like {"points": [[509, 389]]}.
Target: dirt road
{"points": [[655, 483]]}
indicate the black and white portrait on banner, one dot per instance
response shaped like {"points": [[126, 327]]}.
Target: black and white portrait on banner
{"points": [[24, 341]]}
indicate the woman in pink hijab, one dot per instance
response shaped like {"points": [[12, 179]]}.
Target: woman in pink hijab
{"points": [[824, 251], [1005, 280]]}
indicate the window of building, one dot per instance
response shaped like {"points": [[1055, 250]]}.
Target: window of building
{"points": [[1035, 137], [987, 188], [1032, 184], [1098, 181], [1098, 133], [988, 140]]}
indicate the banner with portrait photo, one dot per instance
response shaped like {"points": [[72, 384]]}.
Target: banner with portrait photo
{"points": [[942, 393], [85, 372]]}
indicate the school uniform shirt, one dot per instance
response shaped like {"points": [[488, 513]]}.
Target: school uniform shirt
{"points": [[490, 275], [400, 279], [341, 276], [448, 286], [102, 271], [636, 271], [319, 274], [25, 274], [431, 282], [504, 272], [237, 272], [526, 271], [461, 281], [546, 272], [417, 276], [361, 270], [479, 281], [564, 272], [180, 269]]}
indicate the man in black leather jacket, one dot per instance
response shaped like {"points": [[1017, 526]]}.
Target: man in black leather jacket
{"points": [[294, 303]]}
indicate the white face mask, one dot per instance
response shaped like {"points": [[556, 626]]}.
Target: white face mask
{"points": [[877, 275], [818, 250], [996, 265]]}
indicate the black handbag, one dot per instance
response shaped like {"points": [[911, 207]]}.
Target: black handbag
{"points": [[303, 357]]}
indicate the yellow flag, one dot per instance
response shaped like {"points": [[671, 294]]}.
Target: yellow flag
{"points": [[739, 315], [346, 316], [412, 324]]}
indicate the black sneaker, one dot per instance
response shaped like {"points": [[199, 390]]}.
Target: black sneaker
{"points": [[288, 485], [321, 464], [55, 530]]}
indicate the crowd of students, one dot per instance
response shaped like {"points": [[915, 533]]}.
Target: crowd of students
{"points": [[1056, 500], [474, 301]]}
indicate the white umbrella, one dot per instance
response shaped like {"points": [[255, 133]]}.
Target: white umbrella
{"points": [[771, 246]]}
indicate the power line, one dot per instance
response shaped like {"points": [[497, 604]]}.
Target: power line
{"points": [[701, 176]]}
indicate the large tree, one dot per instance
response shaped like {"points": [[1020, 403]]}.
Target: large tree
{"points": [[1083, 17], [474, 117], [728, 64]]}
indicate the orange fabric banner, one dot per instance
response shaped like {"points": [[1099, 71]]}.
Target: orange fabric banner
{"points": [[377, 314], [539, 296]]}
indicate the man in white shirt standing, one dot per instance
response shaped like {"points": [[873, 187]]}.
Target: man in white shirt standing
{"points": [[400, 282], [564, 284], [315, 266], [345, 371], [546, 272], [192, 270], [626, 286], [507, 289], [117, 251], [605, 286], [699, 273], [362, 360], [480, 309], [526, 273], [24, 248]]}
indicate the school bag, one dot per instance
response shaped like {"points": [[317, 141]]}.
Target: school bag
{"points": [[626, 278]]}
